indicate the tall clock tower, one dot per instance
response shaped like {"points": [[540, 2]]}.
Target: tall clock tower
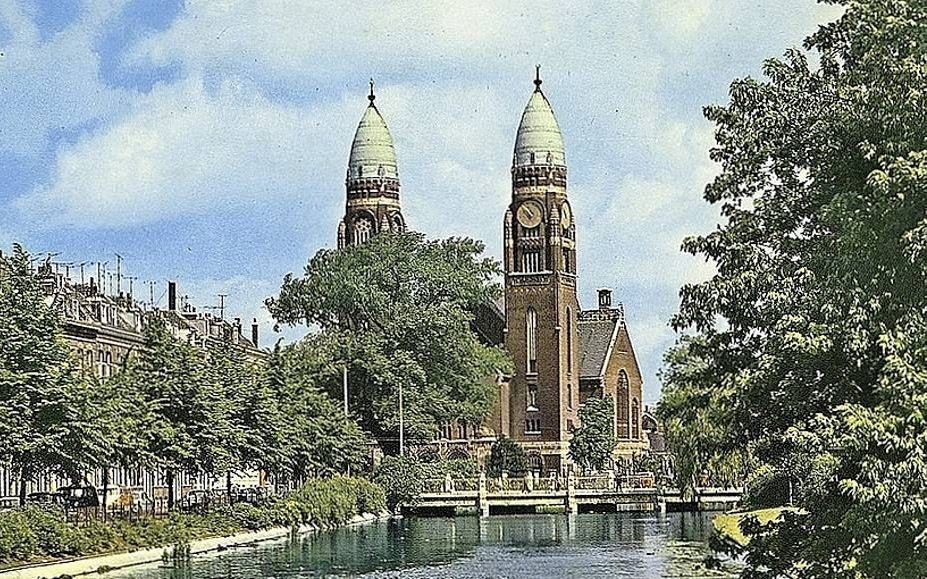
{"points": [[541, 307], [372, 181]]}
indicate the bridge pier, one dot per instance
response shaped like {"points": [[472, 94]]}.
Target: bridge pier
{"points": [[482, 497], [570, 504]]}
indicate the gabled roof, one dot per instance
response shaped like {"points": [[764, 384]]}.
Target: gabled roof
{"points": [[598, 332]]}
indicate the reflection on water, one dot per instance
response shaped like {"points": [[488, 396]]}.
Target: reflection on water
{"points": [[511, 546]]}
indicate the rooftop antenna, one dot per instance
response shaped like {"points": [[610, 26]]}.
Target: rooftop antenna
{"points": [[537, 77], [371, 97], [151, 283], [118, 274], [222, 305], [131, 279]]}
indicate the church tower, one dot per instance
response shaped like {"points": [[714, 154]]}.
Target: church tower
{"points": [[541, 307], [372, 181]]}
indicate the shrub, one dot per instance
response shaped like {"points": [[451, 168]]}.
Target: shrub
{"points": [[17, 540], [507, 457], [402, 480], [33, 531]]}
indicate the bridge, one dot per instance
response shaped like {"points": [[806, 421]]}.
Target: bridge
{"points": [[570, 494]]}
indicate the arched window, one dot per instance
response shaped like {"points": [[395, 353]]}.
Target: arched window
{"points": [[362, 230], [635, 419], [569, 341], [461, 428], [531, 340], [623, 413]]}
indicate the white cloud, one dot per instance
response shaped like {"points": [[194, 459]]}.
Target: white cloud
{"points": [[185, 150], [269, 94], [54, 85]]}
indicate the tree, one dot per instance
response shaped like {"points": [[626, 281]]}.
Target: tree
{"points": [[315, 437], [594, 441], [506, 457], [402, 478], [397, 311], [696, 413], [37, 382], [813, 327], [190, 425]]}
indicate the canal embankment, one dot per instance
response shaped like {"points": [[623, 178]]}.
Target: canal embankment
{"points": [[40, 541], [111, 562]]}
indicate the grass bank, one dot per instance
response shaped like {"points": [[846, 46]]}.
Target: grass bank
{"points": [[35, 534], [728, 524]]}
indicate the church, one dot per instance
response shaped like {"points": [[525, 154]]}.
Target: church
{"points": [[562, 354]]}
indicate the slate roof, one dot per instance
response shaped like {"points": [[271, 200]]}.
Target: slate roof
{"points": [[598, 330]]}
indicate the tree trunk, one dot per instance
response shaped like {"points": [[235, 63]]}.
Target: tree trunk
{"points": [[228, 485], [23, 478], [105, 489], [170, 489]]}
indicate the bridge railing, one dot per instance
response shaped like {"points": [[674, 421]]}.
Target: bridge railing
{"points": [[595, 482]]}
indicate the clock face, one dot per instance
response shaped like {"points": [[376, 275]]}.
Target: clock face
{"points": [[566, 216], [529, 214]]}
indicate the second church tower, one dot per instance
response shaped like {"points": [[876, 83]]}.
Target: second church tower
{"points": [[541, 306]]}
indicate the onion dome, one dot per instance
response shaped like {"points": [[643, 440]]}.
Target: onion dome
{"points": [[539, 141], [372, 152]]}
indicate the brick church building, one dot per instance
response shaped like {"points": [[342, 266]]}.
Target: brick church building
{"points": [[563, 354]]}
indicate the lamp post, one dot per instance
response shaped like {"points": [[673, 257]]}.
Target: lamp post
{"points": [[344, 386], [401, 436]]}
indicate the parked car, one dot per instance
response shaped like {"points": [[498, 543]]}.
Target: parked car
{"points": [[250, 495], [79, 497]]}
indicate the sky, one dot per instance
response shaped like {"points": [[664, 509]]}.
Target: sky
{"points": [[206, 141]]}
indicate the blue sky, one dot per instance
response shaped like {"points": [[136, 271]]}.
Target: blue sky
{"points": [[207, 141]]}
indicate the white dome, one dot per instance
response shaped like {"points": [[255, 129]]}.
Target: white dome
{"points": [[372, 152], [539, 141]]}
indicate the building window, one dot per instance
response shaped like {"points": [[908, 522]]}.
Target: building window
{"points": [[622, 414], [531, 329], [567, 261], [531, 261], [446, 430], [635, 419], [461, 429], [535, 463], [532, 396], [531, 231], [570, 395], [532, 426], [569, 342], [362, 230]]}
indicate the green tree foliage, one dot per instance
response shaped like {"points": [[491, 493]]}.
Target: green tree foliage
{"points": [[402, 479], [39, 391], [506, 457], [594, 441], [696, 412], [315, 437], [810, 348], [397, 310]]}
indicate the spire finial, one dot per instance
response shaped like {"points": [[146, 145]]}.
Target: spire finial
{"points": [[537, 77], [371, 97]]}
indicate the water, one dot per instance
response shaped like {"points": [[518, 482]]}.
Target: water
{"points": [[506, 546]]}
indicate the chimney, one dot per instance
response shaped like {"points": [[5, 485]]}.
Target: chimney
{"points": [[172, 296], [236, 330], [605, 299], [254, 332]]}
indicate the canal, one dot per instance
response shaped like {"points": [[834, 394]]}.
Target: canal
{"points": [[638, 545]]}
